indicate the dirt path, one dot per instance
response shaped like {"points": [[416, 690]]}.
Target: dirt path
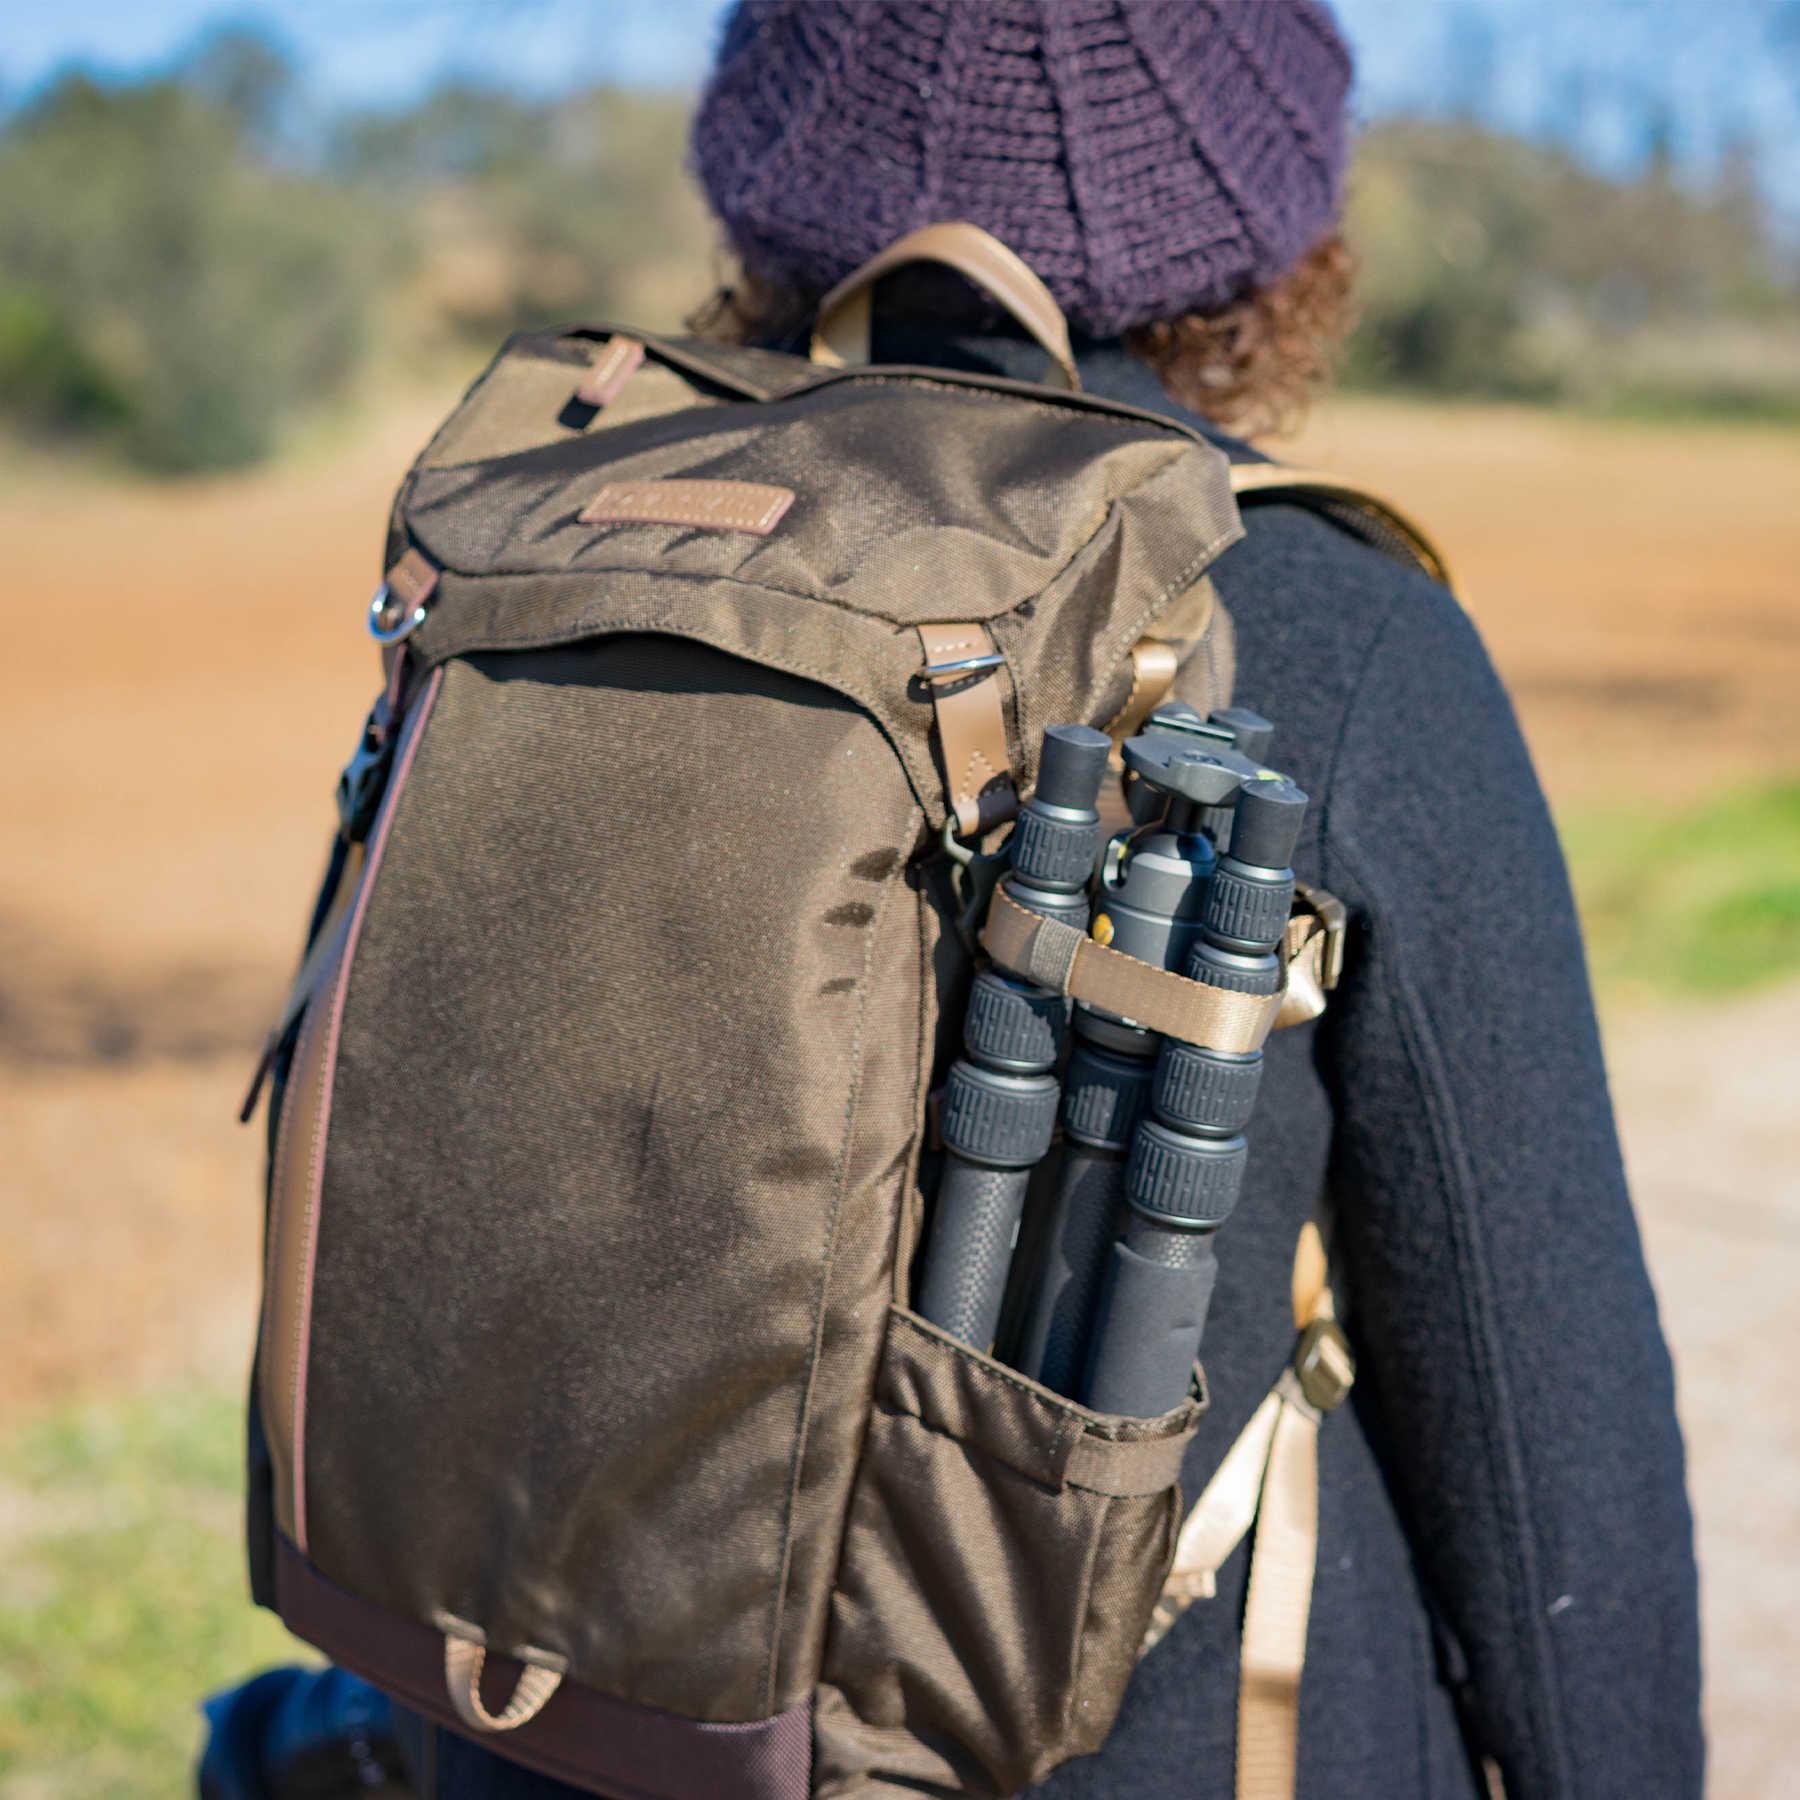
{"points": [[1712, 1141], [1639, 587], [186, 669]]}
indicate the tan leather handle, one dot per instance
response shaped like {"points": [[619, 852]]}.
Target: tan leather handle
{"points": [[842, 334]]}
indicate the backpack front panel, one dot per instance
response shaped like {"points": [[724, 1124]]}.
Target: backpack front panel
{"points": [[587, 1165], [597, 1170]]}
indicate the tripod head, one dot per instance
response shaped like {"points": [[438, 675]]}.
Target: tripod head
{"points": [[1186, 774]]}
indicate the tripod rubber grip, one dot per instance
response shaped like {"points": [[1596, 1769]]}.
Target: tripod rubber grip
{"points": [[1147, 1334], [1077, 1239], [963, 1283]]}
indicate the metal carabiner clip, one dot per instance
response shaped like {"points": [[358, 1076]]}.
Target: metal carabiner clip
{"points": [[382, 627]]}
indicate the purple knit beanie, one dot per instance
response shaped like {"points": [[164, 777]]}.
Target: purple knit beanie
{"points": [[1145, 157]]}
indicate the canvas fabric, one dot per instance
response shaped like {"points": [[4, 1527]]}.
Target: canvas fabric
{"points": [[587, 1388]]}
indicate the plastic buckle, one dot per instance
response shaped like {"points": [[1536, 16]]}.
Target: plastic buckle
{"points": [[1324, 1365], [364, 778], [973, 877], [1334, 916]]}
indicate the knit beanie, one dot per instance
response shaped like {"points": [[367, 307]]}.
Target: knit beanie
{"points": [[1145, 157]]}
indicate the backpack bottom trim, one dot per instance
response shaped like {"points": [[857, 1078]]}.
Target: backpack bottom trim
{"points": [[605, 1746]]}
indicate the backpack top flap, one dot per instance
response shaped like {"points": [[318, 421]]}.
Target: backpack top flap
{"points": [[1065, 524]]}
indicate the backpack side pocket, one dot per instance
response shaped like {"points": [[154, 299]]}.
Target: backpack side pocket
{"points": [[1003, 1552]]}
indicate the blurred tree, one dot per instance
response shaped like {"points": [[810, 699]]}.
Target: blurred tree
{"points": [[538, 212], [160, 275], [1500, 267], [249, 77]]}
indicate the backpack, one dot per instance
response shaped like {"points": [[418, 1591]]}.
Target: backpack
{"points": [[590, 1417]]}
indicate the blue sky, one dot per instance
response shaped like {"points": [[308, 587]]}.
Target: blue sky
{"points": [[1586, 71], [381, 51]]}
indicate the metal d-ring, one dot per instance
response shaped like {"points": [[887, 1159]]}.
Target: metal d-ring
{"points": [[391, 634]]}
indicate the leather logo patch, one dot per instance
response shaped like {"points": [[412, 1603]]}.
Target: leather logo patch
{"points": [[703, 505]]}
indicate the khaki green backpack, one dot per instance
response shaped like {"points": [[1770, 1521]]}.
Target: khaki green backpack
{"points": [[590, 1418]]}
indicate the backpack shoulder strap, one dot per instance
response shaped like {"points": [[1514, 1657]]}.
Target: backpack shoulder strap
{"points": [[1377, 521]]}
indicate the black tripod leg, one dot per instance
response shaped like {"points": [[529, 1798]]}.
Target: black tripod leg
{"points": [[963, 1282]]}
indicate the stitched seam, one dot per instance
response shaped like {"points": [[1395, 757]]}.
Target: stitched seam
{"points": [[1222, 540], [1481, 1340], [278, 1216], [804, 1424], [1083, 1629], [1077, 1414]]}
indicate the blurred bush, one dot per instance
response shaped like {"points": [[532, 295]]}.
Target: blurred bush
{"points": [[1496, 267], [162, 277], [531, 213]]}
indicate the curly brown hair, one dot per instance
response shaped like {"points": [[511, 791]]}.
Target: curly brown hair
{"points": [[1253, 366]]}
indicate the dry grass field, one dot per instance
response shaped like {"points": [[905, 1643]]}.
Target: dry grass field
{"points": [[185, 668]]}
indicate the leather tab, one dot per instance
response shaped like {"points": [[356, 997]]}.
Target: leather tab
{"points": [[411, 581], [971, 728], [617, 362], [701, 505]]}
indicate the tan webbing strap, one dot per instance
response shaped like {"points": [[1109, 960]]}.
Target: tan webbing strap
{"points": [[1270, 1480], [1149, 1466], [1051, 954], [1157, 656], [463, 1659], [1220, 1521], [1153, 669], [971, 724], [1279, 1603], [1381, 521], [1313, 951]]}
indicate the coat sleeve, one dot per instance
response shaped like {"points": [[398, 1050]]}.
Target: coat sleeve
{"points": [[1511, 1365]]}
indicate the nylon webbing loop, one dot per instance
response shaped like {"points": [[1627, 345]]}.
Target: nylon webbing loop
{"points": [[1058, 956], [463, 1659], [965, 672]]}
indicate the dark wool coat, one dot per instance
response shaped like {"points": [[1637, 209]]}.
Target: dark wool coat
{"points": [[1505, 1552]]}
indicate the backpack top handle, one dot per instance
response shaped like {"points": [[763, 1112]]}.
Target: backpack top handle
{"points": [[841, 336]]}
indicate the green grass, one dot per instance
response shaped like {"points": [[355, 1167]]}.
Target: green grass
{"points": [[1705, 900], [122, 1595]]}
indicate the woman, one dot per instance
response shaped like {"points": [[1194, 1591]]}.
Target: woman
{"points": [[1505, 1575]]}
